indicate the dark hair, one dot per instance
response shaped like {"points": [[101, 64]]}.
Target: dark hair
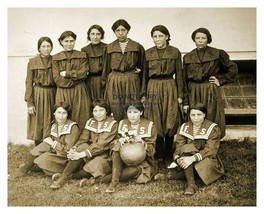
{"points": [[162, 29], [137, 104], [120, 22], [202, 30], [44, 39], [66, 34], [198, 106], [97, 27], [65, 106], [103, 104]]}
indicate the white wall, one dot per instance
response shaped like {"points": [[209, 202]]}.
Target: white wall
{"points": [[232, 29]]}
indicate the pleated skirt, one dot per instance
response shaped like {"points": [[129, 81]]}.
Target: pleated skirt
{"points": [[38, 125]]}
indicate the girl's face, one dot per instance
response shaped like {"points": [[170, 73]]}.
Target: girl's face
{"points": [[121, 33], [160, 39], [99, 113], [200, 40], [68, 43], [61, 115], [197, 116], [45, 49], [95, 36], [133, 115]]}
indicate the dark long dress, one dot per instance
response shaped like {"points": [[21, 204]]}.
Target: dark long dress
{"points": [[215, 62], [163, 90], [71, 88], [40, 92], [123, 82], [94, 55]]}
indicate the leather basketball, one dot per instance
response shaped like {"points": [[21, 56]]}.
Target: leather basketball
{"points": [[133, 153]]}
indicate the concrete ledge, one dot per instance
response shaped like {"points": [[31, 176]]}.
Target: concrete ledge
{"points": [[241, 133]]}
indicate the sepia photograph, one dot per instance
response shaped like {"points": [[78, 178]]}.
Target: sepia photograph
{"points": [[132, 106]]}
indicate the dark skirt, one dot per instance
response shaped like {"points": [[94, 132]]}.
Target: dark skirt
{"points": [[121, 88], [210, 95], [93, 84], [161, 106], [80, 101], [51, 162], [99, 166], [38, 125]]}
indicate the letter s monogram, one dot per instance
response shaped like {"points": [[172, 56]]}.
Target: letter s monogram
{"points": [[203, 131], [65, 127]]}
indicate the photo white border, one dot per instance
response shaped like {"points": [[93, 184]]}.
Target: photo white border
{"points": [[134, 3]]}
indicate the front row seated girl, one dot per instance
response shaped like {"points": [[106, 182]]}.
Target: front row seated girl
{"points": [[197, 144]]}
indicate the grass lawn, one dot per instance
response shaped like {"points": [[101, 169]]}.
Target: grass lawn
{"points": [[236, 188]]}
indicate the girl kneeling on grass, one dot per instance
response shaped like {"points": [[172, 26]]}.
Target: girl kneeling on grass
{"points": [[51, 154], [197, 144], [93, 147]]}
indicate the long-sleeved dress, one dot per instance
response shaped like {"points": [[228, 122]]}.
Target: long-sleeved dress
{"points": [[124, 75], [53, 159], [204, 145], [148, 133], [94, 55], [40, 92], [163, 90], [95, 142], [71, 88], [215, 62]]}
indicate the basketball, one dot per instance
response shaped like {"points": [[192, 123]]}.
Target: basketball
{"points": [[133, 153]]}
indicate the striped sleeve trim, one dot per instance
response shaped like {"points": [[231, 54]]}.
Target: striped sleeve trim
{"points": [[88, 153], [198, 157], [176, 157], [54, 144]]}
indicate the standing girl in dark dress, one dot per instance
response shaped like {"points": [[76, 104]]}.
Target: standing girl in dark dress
{"points": [[94, 52], [70, 72], [124, 70], [206, 69], [164, 91], [40, 92]]}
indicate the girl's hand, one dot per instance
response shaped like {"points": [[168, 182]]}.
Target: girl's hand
{"points": [[122, 141], [214, 80], [48, 140], [138, 139], [31, 110], [185, 162], [63, 73], [185, 109], [180, 101], [76, 155]]}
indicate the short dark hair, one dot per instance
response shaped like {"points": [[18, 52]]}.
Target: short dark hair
{"points": [[202, 30], [137, 104], [120, 22], [198, 106], [97, 27], [103, 104], [44, 39], [66, 34], [162, 29], [65, 106]]}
